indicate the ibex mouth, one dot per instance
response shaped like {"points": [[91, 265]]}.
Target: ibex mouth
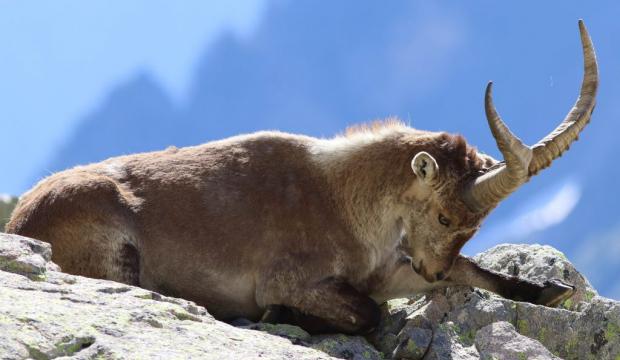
{"points": [[421, 270], [417, 269]]}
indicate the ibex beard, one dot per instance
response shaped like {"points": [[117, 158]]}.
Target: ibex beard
{"points": [[290, 228]]}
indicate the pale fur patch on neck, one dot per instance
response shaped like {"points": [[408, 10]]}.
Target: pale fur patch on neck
{"points": [[375, 226]]}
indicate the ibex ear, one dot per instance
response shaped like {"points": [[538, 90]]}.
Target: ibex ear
{"points": [[424, 167]]}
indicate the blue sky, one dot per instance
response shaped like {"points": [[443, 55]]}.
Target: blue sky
{"points": [[59, 58]]}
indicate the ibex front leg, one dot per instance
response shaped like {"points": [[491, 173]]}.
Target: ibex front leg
{"points": [[550, 293], [328, 305], [404, 281]]}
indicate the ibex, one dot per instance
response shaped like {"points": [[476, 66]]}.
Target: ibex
{"points": [[297, 229]]}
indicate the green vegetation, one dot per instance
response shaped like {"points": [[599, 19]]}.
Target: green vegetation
{"points": [[467, 337], [572, 345], [7, 203], [412, 348], [612, 332], [542, 335], [523, 327]]}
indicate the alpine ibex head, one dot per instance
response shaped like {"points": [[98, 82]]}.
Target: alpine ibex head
{"points": [[456, 202]]}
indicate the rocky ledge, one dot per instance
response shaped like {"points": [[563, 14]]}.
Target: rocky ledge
{"points": [[47, 314]]}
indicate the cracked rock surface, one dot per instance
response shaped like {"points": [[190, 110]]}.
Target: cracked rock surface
{"points": [[47, 314]]}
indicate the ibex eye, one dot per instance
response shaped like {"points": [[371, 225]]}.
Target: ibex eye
{"points": [[444, 220]]}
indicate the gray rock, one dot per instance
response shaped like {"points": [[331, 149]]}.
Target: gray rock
{"points": [[294, 333], [395, 314], [26, 256], [346, 347], [338, 345], [448, 344], [457, 315], [593, 333], [45, 313], [500, 340], [538, 263], [414, 343]]}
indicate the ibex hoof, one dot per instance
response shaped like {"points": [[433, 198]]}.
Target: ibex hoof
{"points": [[554, 292], [273, 314]]}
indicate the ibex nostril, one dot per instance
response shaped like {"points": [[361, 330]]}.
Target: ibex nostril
{"points": [[440, 276]]}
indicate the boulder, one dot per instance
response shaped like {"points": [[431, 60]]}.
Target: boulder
{"points": [[538, 263], [472, 323]]}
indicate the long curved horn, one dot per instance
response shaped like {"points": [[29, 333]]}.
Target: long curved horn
{"points": [[558, 141], [521, 161]]}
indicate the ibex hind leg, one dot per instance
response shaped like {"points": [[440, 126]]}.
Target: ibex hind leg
{"points": [[96, 247], [331, 305], [88, 225]]}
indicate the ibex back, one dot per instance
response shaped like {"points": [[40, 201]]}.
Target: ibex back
{"points": [[297, 229]]}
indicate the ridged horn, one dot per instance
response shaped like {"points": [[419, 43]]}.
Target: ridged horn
{"points": [[558, 141], [521, 161]]}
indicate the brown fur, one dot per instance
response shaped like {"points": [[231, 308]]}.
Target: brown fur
{"points": [[265, 219]]}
